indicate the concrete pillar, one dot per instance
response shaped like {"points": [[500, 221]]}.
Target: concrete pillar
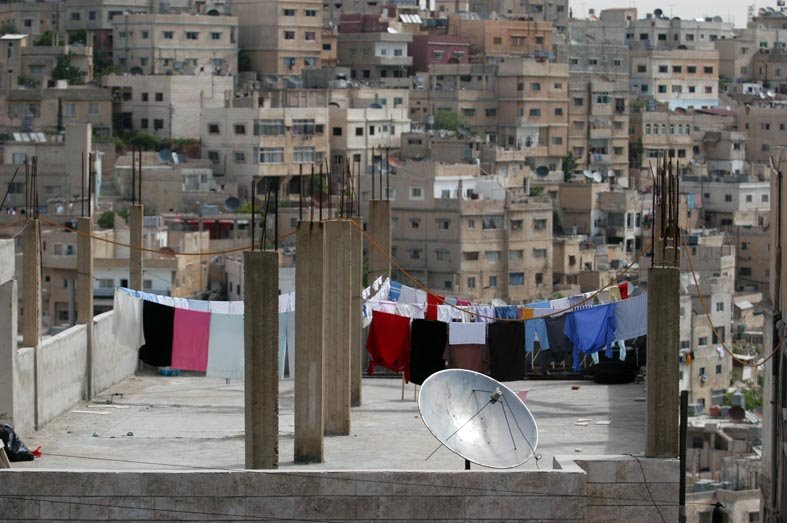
{"points": [[85, 293], [136, 219], [261, 358], [309, 340], [662, 421], [356, 285], [8, 336], [31, 285], [338, 298], [380, 231]]}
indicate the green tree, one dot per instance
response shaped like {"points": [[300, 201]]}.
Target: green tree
{"points": [[8, 27], [46, 39], [447, 120], [147, 141], [569, 165], [27, 81], [635, 154], [64, 70], [78, 37]]}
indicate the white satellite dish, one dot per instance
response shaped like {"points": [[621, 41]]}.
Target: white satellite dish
{"points": [[761, 95], [478, 418], [770, 93], [587, 174], [392, 30], [597, 177]]}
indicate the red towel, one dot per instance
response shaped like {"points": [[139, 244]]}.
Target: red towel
{"points": [[388, 343], [624, 290], [432, 301]]}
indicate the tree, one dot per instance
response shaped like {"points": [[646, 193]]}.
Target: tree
{"points": [[46, 39], [569, 165], [64, 70], [8, 27], [447, 120], [635, 154], [78, 37], [147, 141]]}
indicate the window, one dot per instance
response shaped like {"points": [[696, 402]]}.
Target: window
{"points": [[579, 102], [371, 130], [443, 224], [269, 127], [240, 128], [106, 283], [491, 112], [239, 157], [718, 369], [557, 140], [748, 198], [310, 12], [289, 62], [310, 36], [764, 198], [143, 123], [520, 86], [303, 155], [414, 254], [662, 88], [214, 157], [708, 89], [359, 131], [642, 68], [691, 69], [145, 97], [306, 126], [708, 69], [213, 128], [677, 88], [470, 255], [471, 285], [493, 281], [492, 222], [685, 344], [215, 36], [516, 255], [744, 271], [471, 223], [662, 37], [92, 108], [497, 40], [168, 35], [441, 254], [289, 35], [720, 306], [535, 86], [416, 193], [702, 341], [415, 223], [558, 111], [535, 112], [271, 155], [516, 225], [677, 69], [159, 97], [727, 197], [192, 35], [539, 278], [492, 256], [516, 278], [539, 253], [663, 69], [76, 16]]}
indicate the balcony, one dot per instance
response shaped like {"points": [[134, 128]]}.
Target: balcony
{"points": [[600, 132], [604, 159]]}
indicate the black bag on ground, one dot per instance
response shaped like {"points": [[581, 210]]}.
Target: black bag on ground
{"points": [[14, 448]]}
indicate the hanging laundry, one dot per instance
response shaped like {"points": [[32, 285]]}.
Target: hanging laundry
{"points": [[466, 333], [624, 290], [428, 341], [591, 330], [432, 301], [560, 345], [485, 313], [536, 329], [560, 304], [165, 300], [473, 357], [158, 322], [237, 307], [190, 337], [225, 346], [631, 317], [445, 313], [180, 303], [507, 312], [615, 294], [384, 306], [457, 313], [506, 357], [127, 320], [407, 295], [199, 305], [526, 313], [543, 304], [417, 310], [291, 343], [395, 292], [388, 343], [282, 343]]}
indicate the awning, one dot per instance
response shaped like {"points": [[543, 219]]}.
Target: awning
{"points": [[744, 305]]}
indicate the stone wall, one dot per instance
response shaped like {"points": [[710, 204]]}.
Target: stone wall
{"points": [[63, 367], [112, 362]]}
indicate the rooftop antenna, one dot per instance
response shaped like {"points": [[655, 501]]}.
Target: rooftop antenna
{"points": [[478, 418]]}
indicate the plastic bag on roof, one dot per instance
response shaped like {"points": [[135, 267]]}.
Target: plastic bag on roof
{"points": [[15, 449]]}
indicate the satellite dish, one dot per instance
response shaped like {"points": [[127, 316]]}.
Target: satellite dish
{"points": [[478, 418], [597, 177], [762, 96], [736, 413], [770, 94], [232, 204], [587, 174], [542, 170], [392, 30]]}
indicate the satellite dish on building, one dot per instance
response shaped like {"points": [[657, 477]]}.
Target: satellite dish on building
{"points": [[478, 418], [542, 171], [597, 177], [392, 30], [770, 94], [232, 204], [587, 174]]}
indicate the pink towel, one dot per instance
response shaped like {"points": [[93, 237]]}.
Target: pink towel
{"points": [[190, 338]]}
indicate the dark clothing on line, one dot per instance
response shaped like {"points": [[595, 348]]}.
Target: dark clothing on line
{"points": [[428, 340], [506, 341], [469, 357], [560, 345], [157, 323]]}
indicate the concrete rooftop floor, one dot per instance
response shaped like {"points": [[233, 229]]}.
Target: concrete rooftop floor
{"points": [[193, 422]]}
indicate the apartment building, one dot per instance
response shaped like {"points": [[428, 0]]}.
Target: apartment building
{"points": [[280, 37], [29, 18], [532, 108], [753, 249], [663, 134], [769, 67], [541, 10], [730, 200], [166, 106], [377, 58], [737, 54], [263, 142], [31, 66], [572, 255], [430, 49], [467, 235], [659, 32], [53, 109], [494, 39], [765, 125], [157, 44], [679, 77], [469, 90]]}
